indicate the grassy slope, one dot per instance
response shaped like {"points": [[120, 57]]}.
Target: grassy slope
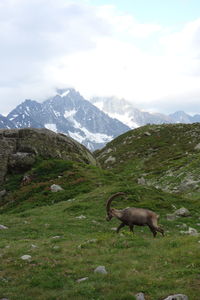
{"points": [[158, 267]]}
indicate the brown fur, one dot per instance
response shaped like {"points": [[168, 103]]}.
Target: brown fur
{"points": [[133, 216]]}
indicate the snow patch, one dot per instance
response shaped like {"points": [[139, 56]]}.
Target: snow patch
{"points": [[64, 94], [124, 118], [69, 113], [51, 126]]}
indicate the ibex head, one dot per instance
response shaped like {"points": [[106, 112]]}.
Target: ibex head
{"points": [[108, 204]]}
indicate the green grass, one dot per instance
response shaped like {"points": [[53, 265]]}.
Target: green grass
{"points": [[64, 248], [135, 262]]}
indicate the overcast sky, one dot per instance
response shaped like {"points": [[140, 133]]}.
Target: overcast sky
{"points": [[147, 52]]}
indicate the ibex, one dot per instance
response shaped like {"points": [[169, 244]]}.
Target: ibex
{"points": [[133, 216]]}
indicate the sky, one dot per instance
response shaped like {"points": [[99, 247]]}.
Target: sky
{"points": [[145, 51]]}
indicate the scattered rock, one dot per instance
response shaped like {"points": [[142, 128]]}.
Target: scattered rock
{"points": [[34, 246], [56, 188], [81, 217], [140, 296], [26, 179], [191, 231], [171, 217], [2, 193], [114, 228], [56, 237], [95, 222], [26, 257], [141, 181], [3, 227], [147, 133], [87, 242], [197, 147], [110, 159], [182, 225], [177, 297], [82, 279], [70, 200], [182, 212], [56, 247], [101, 270]]}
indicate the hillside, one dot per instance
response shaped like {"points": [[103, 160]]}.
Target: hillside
{"points": [[163, 156], [67, 237]]}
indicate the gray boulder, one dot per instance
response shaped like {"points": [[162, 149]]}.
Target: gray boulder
{"points": [[56, 188], [177, 297], [182, 212], [140, 296], [19, 148], [101, 270]]}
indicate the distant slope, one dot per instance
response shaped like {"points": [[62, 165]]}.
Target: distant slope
{"points": [[164, 156], [133, 117]]}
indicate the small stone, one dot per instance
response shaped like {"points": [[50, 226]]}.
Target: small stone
{"points": [[171, 217], [2, 193], [114, 228], [34, 246], [177, 297], [141, 181], [101, 270], [26, 257], [56, 237], [182, 212], [191, 231], [140, 296], [3, 227], [81, 217], [82, 279], [56, 188], [56, 247]]}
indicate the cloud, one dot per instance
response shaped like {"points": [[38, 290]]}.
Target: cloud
{"points": [[36, 33], [99, 51]]}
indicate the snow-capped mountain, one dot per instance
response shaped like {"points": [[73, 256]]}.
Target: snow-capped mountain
{"points": [[69, 113], [92, 123], [133, 117], [6, 123]]}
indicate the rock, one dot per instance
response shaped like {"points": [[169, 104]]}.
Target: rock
{"points": [[82, 279], [26, 179], [147, 133], [56, 237], [56, 188], [140, 296], [197, 147], [171, 217], [87, 242], [26, 257], [101, 270], [182, 212], [177, 297], [191, 231], [3, 227], [81, 217], [2, 193], [110, 159], [19, 149], [141, 181]]}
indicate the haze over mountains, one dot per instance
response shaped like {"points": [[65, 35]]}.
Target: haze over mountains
{"points": [[92, 123]]}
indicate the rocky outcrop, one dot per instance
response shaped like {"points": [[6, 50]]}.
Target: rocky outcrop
{"points": [[19, 149]]}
